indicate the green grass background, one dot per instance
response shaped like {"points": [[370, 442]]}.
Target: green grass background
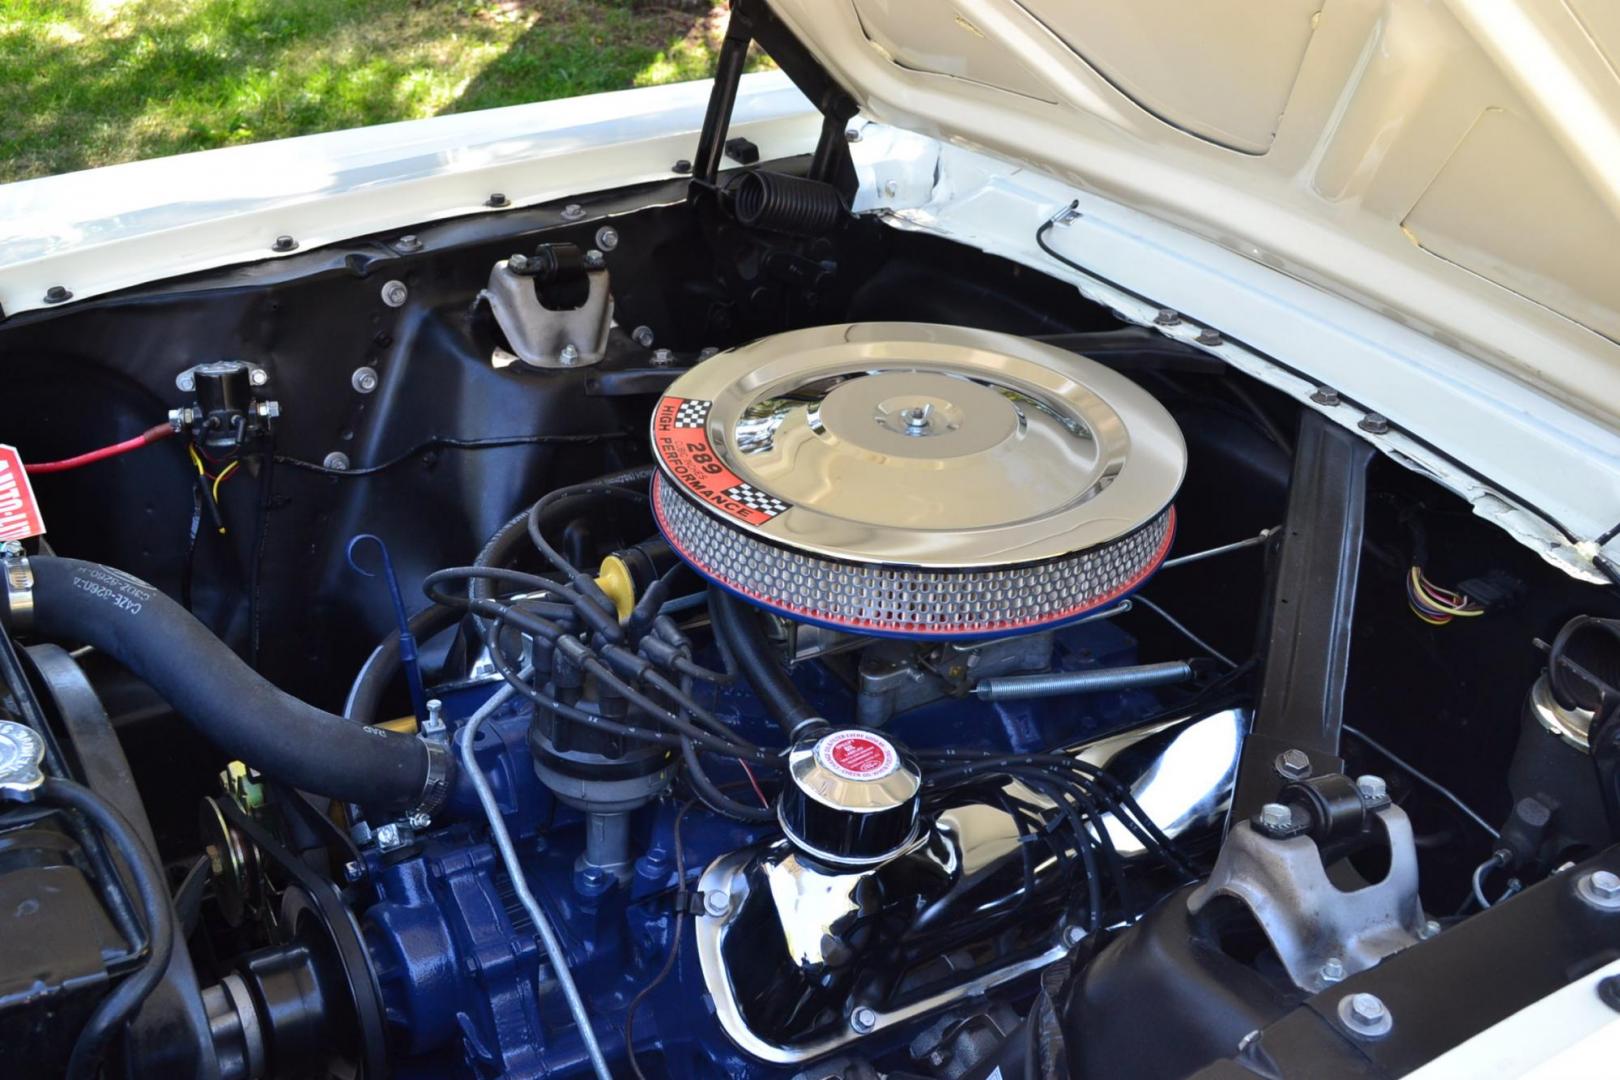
{"points": [[92, 82]]}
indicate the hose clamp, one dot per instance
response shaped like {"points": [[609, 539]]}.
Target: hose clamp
{"points": [[19, 586], [436, 787]]}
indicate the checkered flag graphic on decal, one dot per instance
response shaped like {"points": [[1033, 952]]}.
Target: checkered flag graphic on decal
{"points": [[692, 414], [755, 499]]}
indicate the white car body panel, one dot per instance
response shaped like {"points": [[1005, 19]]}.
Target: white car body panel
{"points": [[101, 230], [1452, 163], [1568, 1035]]}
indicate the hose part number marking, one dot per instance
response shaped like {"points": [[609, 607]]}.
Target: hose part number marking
{"points": [[19, 510], [681, 439], [857, 755], [118, 589], [117, 599]]}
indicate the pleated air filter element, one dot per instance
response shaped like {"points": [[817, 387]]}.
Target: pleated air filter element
{"points": [[916, 480]]}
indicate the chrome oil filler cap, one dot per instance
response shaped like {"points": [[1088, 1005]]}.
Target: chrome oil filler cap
{"points": [[851, 800], [915, 479]]}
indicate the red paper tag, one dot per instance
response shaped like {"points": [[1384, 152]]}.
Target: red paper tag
{"points": [[19, 510]]}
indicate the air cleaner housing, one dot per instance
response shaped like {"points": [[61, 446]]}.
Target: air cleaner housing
{"points": [[916, 480]]}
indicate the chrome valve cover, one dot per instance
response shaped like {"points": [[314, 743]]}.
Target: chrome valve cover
{"points": [[801, 956]]}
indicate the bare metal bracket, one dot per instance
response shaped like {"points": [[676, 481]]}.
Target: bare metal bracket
{"points": [[541, 337], [1321, 932]]}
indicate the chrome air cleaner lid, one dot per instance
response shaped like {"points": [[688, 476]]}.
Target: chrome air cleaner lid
{"points": [[916, 479]]}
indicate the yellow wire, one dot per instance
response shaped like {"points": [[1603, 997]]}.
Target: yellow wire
{"points": [[1425, 589], [1432, 621], [196, 460], [220, 479], [1428, 590]]}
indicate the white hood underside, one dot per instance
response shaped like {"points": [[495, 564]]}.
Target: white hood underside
{"points": [[1452, 168], [1455, 164], [1547, 475]]}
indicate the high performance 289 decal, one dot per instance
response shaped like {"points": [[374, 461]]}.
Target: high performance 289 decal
{"points": [[681, 440]]}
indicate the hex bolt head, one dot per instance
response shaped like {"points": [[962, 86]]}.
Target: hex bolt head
{"points": [[683, 167], [852, 135], [862, 1019], [573, 212], [1368, 1008], [497, 200], [284, 243], [1326, 395], [1073, 935], [353, 871], [662, 358], [1600, 889], [1365, 1015], [1608, 992], [57, 294], [1274, 817], [716, 903], [258, 376], [1333, 970], [1293, 764], [595, 260], [337, 461], [1373, 424], [518, 262], [186, 380], [394, 293], [607, 238], [419, 820], [1166, 317], [1372, 788], [1210, 336], [410, 243], [1429, 929], [388, 837], [643, 336], [364, 379], [569, 356]]}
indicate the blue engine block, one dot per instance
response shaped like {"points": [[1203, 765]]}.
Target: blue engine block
{"points": [[463, 977]]}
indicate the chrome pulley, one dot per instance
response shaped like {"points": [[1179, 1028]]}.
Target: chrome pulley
{"points": [[916, 480]]}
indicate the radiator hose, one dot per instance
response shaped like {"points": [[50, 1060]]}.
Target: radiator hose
{"points": [[214, 691]]}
